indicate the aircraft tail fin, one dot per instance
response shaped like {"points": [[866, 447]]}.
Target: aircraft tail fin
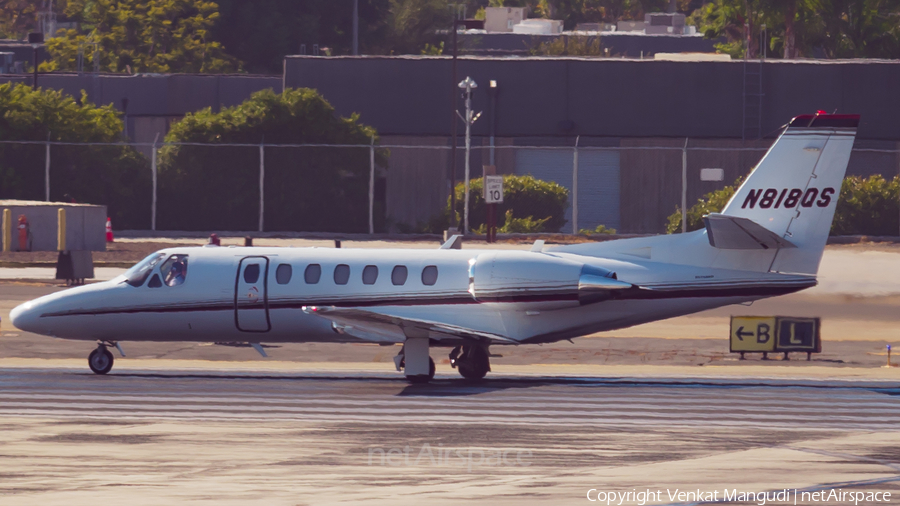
{"points": [[794, 189]]}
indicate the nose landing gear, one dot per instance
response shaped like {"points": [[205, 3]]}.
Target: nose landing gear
{"points": [[101, 360], [471, 360]]}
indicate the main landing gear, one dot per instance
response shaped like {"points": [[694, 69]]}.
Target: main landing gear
{"points": [[413, 358], [472, 361], [101, 360]]}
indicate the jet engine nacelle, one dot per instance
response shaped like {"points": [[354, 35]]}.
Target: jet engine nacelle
{"points": [[539, 281]]}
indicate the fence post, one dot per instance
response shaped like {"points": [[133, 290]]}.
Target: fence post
{"points": [[372, 186], [262, 178], [575, 188], [153, 168], [684, 187], [47, 170]]}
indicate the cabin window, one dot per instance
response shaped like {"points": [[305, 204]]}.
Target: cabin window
{"points": [[174, 270], [155, 282], [141, 270], [370, 274], [341, 274], [399, 275], [283, 274], [251, 273], [312, 274], [429, 275]]}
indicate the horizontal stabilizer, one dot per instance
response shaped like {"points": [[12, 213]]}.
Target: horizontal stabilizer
{"points": [[732, 232]]}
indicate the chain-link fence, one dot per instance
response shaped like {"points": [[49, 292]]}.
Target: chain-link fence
{"points": [[631, 185]]}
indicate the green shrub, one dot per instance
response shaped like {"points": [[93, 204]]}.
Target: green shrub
{"points": [[511, 225], [712, 202], [601, 229], [867, 207], [526, 198]]}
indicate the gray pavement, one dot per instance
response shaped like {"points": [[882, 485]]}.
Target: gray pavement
{"points": [[230, 437], [657, 407]]}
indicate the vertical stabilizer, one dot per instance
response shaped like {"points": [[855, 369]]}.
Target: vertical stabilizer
{"points": [[794, 189]]}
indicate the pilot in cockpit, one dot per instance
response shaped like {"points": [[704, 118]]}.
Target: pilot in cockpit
{"points": [[176, 274]]}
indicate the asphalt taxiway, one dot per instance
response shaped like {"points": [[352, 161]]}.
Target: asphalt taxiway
{"points": [[221, 436]]}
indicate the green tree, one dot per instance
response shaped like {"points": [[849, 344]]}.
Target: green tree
{"points": [[17, 18], [262, 32], [859, 28], [867, 206], [411, 26], [712, 202], [838, 28], [306, 188], [145, 36], [115, 176]]}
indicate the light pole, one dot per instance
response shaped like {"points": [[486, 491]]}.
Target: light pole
{"points": [[492, 91], [355, 27], [468, 84], [36, 39]]}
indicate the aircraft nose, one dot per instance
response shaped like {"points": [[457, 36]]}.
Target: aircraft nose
{"points": [[24, 317]]}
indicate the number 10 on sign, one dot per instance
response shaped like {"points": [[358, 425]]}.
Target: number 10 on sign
{"points": [[493, 189]]}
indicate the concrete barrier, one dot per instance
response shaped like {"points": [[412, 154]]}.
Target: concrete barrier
{"points": [[85, 225]]}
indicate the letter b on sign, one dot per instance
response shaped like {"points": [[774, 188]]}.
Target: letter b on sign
{"points": [[762, 333]]}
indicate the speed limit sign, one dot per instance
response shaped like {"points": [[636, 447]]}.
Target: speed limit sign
{"points": [[493, 189]]}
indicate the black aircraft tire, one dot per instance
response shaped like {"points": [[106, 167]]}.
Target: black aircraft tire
{"points": [[100, 361], [476, 364], [421, 378]]}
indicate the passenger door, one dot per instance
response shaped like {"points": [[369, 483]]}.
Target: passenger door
{"points": [[251, 303]]}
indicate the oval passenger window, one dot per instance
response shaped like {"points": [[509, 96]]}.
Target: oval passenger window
{"points": [[341, 274], [370, 274], [429, 275], [283, 274], [399, 275], [312, 274], [251, 273]]}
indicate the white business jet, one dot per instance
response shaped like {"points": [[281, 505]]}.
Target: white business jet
{"points": [[767, 241]]}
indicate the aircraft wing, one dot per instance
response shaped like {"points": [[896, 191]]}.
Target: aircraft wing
{"points": [[374, 326]]}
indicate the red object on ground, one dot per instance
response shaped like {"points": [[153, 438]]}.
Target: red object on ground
{"points": [[214, 239], [109, 234], [23, 233]]}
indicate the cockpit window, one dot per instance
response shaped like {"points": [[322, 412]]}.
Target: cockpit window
{"points": [[174, 270], [141, 270]]}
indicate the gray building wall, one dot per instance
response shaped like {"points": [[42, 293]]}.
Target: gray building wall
{"points": [[608, 102], [410, 95]]}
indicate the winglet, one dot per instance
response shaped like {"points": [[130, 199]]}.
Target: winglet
{"points": [[538, 246], [454, 242]]}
